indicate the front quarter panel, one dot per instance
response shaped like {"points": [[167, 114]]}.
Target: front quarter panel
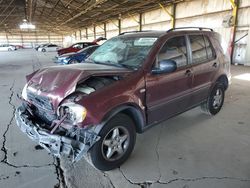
{"points": [[124, 92]]}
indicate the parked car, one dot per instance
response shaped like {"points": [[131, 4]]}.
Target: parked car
{"points": [[7, 47], [78, 46], [130, 83], [40, 46], [48, 48], [76, 57], [19, 46]]}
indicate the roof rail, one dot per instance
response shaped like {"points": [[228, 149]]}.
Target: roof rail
{"points": [[199, 28], [123, 33]]}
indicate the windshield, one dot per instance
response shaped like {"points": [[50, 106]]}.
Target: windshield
{"points": [[126, 51]]}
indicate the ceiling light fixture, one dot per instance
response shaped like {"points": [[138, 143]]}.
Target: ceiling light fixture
{"points": [[26, 25]]}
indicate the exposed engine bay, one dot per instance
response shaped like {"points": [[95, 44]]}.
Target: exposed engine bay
{"points": [[95, 83]]}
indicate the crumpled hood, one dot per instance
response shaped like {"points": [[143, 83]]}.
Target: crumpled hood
{"points": [[57, 82]]}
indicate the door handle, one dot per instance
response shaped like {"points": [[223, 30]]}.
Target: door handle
{"points": [[215, 65], [188, 72]]}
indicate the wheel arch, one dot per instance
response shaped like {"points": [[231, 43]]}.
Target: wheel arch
{"points": [[132, 110], [224, 80]]}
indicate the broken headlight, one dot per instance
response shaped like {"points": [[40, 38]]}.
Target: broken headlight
{"points": [[24, 92], [75, 113]]}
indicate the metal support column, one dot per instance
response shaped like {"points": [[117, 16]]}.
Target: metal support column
{"points": [[235, 6], [86, 31], [171, 14], [49, 37], [80, 34], [6, 35], [94, 32], [105, 29], [21, 37], [136, 20], [119, 26], [140, 22]]}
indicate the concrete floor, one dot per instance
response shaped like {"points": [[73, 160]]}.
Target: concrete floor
{"points": [[191, 150]]}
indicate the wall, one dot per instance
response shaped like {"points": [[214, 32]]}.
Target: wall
{"points": [[201, 13], [30, 39]]}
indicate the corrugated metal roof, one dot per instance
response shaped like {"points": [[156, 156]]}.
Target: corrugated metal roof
{"points": [[68, 15]]}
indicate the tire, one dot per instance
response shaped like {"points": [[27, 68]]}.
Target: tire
{"points": [[9, 49], [213, 105], [43, 50], [102, 156]]}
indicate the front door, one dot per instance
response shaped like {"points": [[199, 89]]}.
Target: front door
{"points": [[169, 93]]}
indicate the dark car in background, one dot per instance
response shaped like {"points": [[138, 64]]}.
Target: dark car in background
{"points": [[130, 83], [76, 57], [78, 46]]}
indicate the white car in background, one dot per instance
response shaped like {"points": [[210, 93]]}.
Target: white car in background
{"points": [[7, 47], [48, 48]]}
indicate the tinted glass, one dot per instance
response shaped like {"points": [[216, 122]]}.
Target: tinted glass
{"points": [[210, 50], [79, 46], [199, 53], [175, 49]]}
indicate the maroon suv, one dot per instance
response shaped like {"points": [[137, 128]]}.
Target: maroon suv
{"points": [[130, 83]]}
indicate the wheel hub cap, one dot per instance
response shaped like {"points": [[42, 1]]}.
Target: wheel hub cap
{"points": [[115, 143], [217, 99]]}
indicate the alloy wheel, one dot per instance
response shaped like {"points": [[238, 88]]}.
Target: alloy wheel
{"points": [[115, 143]]}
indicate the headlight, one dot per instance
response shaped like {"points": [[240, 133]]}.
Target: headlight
{"points": [[63, 59], [75, 112], [24, 92]]}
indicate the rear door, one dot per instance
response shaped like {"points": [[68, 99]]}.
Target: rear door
{"points": [[170, 93], [204, 65]]}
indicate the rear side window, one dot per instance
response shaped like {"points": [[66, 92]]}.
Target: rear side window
{"points": [[210, 51], [202, 50], [198, 47], [176, 50], [87, 45]]}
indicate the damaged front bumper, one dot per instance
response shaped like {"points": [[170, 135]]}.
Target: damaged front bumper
{"points": [[75, 147]]}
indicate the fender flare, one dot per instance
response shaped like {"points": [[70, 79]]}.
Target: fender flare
{"points": [[130, 109]]}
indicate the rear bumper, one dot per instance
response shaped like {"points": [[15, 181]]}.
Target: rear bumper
{"points": [[55, 144]]}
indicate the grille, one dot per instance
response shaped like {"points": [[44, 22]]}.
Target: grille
{"points": [[41, 101], [44, 109]]}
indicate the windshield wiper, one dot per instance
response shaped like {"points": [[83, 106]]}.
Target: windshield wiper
{"points": [[128, 66], [110, 63]]}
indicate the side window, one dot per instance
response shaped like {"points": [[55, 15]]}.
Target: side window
{"points": [[210, 50], [86, 45], [77, 46], [199, 53], [176, 50]]}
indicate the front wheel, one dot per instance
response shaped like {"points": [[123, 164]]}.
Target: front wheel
{"points": [[215, 100], [9, 49], [43, 50], [116, 144]]}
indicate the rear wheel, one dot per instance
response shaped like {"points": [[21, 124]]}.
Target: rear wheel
{"points": [[215, 100], [43, 50], [9, 49], [116, 144]]}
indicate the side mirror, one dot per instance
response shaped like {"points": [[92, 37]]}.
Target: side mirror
{"points": [[165, 66]]}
